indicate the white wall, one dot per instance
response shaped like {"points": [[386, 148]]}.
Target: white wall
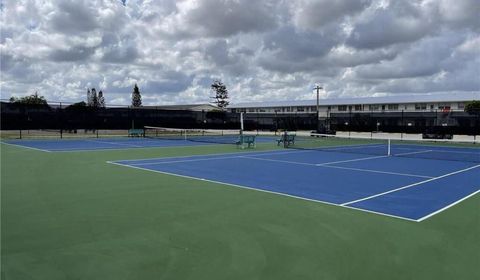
{"points": [[365, 108]]}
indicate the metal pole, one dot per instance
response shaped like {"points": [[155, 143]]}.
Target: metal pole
{"points": [[403, 126], [389, 151], [318, 88], [61, 120], [241, 121]]}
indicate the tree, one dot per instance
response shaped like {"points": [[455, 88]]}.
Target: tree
{"points": [[136, 97], [94, 100], [89, 98], [221, 94], [101, 100], [33, 99], [473, 107]]}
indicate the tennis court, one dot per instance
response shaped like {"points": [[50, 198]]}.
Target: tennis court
{"points": [[404, 180], [121, 143], [195, 210]]}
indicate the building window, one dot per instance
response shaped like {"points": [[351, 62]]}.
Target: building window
{"points": [[392, 106], [420, 106], [358, 108], [444, 107], [374, 107], [461, 105], [342, 108], [251, 110], [300, 109]]}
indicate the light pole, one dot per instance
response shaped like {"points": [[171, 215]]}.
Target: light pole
{"points": [[318, 88]]}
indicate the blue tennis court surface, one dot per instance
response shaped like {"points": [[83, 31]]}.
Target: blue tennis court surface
{"points": [[407, 188], [91, 144]]}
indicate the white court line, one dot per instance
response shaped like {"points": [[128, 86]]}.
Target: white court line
{"points": [[349, 160], [103, 149], [114, 143], [327, 165], [290, 162], [179, 161], [344, 205], [26, 147], [376, 171], [411, 185], [265, 153], [265, 191], [378, 213], [107, 149], [217, 158], [439, 148], [357, 146], [279, 160], [448, 206], [413, 153]]}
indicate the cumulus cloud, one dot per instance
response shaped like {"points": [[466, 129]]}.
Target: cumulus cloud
{"points": [[74, 53], [213, 18], [262, 50], [73, 16], [460, 14], [314, 14], [400, 22]]}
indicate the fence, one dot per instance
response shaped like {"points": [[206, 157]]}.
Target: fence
{"points": [[73, 119], [453, 122]]}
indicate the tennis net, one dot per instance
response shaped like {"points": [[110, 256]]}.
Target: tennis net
{"points": [[467, 151], [195, 135]]}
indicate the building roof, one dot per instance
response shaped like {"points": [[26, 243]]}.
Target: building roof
{"points": [[391, 99], [191, 107]]}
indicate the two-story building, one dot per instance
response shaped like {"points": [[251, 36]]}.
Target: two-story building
{"points": [[393, 103]]}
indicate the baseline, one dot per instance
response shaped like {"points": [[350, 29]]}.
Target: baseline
{"points": [[262, 190], [411, 185]]}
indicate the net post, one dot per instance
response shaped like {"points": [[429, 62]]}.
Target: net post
{"points": [[241, 121], [389, 150]]}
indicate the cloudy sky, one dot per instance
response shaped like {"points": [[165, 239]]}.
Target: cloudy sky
{"points": [[262, 50]]}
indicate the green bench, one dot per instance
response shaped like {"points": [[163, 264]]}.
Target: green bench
{"points": [[136, 133], [249, 140], [286, 139]]}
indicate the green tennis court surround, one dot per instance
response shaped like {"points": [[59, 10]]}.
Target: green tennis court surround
{"points": [[72, 216]]}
